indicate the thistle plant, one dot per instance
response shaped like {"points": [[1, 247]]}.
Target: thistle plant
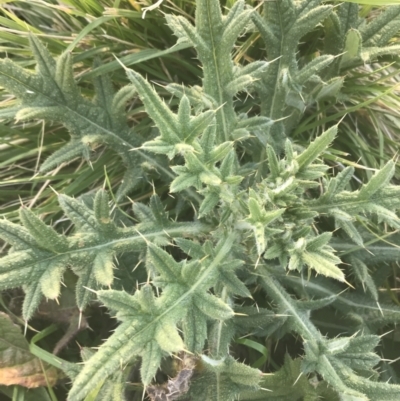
{"points": [[256, 232]]}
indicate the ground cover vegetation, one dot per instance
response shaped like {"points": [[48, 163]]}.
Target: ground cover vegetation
{"points": [[213, 214]]}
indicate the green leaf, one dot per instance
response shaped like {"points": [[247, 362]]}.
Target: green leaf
{"points": [[45, 63], [151, 360], [223, 379], [185, 31], [103, 267], [363, 276], [52, 94], [318, 242], [120, 99], [374, 2], [79, 213], [209, 202], [89, 252], [322, 265], [289, 382], [45, 236], [155, 107], [380, 179], [168, 338], [343, 220], [101, 210], [184, 181], [164, 263], [195, 330], [231, 281], [330, 89], [144, 335], [383, 27], [273, 162], [352, 48], [213, 307], [67, 153], [313, 68], [16, 235], [64, 77], [316, 148], [219, 152], [308, 18]]}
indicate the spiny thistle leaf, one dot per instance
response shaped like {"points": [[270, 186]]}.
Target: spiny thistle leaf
{"points": [[194, 281], [17, 236], [382, 28], [148, 326], [52, 94], [73, 149], [225, 271], [352, 48], [215, 34], [251, 253], [358, 40], [316, 148], [223, 379], [378, 181], [178, 131], [370, 315], [41, 257], [281, 27], [289, 382], [45, 236], [150, 336], [334, 371]]}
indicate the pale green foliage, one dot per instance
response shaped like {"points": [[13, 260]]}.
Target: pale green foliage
{"points": [[52, 94], [263, 222], [40, 255], [223, 379], [214, 38], [290, 384], [108, 389], [290, 85], [361, 41]]}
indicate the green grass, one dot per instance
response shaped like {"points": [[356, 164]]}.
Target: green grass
{"points": [[102, 29], [369, 107]]}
